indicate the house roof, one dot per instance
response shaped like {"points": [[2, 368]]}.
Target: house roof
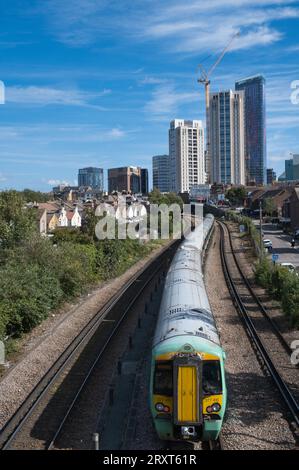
{"points": [[49, 206], [296, 192]]}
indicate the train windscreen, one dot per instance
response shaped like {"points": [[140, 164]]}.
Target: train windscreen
{"points": [[211, 378], [163, 379]]}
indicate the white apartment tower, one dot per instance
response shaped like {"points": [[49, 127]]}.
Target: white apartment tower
{"points": [[227, 137], [186, 153]]}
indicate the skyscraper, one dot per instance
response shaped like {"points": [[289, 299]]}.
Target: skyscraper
{"points": [[255, 127], [93, 177], [186, 153], [227, 147], [127, 178], [144, 181], [161, 176]]}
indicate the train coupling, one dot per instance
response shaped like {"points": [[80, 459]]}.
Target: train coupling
{"points": [[188, 431]]}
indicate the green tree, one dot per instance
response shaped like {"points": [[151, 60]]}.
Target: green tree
{"points": [[34, 196], [269, 206], [236, 195], [17, 222]]}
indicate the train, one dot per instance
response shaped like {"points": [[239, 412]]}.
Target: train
{"points": [[188, 392]]}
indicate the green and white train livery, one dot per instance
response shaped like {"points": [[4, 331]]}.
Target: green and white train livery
{"points": [[187, 387]]}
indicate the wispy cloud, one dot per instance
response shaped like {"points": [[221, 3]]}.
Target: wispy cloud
{"points": [[194, 26], [43, 96], [45, 134], [166, 100], [55, 182], [2, 178]]}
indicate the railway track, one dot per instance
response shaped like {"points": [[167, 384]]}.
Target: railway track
{"points": [[244, 299], [53, 399]]}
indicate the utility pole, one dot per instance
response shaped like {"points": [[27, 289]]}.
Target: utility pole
{"points": [[261, 229]]}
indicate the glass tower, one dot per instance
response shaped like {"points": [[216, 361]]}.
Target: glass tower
{"points": [[255, 128], [92, 177]]}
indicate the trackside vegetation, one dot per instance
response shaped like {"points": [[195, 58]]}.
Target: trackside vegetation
{"points": [[38, 274], [280, 283]]}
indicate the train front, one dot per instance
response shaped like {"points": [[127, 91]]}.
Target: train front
{"points": [[188, 395]]}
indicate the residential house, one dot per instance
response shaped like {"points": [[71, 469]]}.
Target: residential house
{"points": [[294, 208]]}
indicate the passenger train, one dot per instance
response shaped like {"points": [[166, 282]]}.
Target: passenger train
{"points": [[187, 385]]}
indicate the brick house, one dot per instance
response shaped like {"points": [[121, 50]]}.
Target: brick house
{"points": [[294, 208]]}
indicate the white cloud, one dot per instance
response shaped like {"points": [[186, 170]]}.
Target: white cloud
{"points": [[195, 31], [54, 182], [43, 96], [193, 26], [165, 100], [2, 177]]}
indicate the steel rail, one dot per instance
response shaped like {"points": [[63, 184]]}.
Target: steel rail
{"points": [[14, 425], [282, 387], [100, 355], [274, 326]]}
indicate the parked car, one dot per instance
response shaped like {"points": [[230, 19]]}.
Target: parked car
{"points": [[267, 243]]}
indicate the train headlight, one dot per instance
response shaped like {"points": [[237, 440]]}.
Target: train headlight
{"points": [[216, 407], [159, 406]]}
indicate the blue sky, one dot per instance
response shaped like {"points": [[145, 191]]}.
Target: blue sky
{"points": [[96, 82]]}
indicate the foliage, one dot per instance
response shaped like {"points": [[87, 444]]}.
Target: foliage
{"points": [[156, 197], [282, 284], [34, 196], [17, 222], [236, 195], [269, 206]]}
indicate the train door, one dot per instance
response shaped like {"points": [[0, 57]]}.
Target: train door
{"points": [[187, 391]]}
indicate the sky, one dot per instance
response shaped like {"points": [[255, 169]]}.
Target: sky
{"points": [[96, 82]]}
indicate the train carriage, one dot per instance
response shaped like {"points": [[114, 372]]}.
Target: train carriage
{"points": [[187, 387]]}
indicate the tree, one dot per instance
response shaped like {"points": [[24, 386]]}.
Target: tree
{"points": [[236, 195], [269, 206], [17, 222], [34, 196]]}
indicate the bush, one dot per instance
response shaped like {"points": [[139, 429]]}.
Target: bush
{"points": [[282, 284], [27, 294]]}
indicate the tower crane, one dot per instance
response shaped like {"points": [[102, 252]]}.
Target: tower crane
{"points": [[205, 80]]}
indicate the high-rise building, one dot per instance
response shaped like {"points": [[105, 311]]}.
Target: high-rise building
{"points": [[271, 176], [144, 181], [186, 153], [227, 145], [296, 166], [127, 178], [255, 127], [288, 165], [161, 175], [292, 168], [93, 177]]}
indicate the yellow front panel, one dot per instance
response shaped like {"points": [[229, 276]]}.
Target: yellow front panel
{"points": [[187, 394]]}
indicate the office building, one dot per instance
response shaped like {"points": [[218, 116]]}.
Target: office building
{"points": [[271, 176], [126, 179], [255, 127], [186, 154], [144, 180], [92, 177], [161, 173], [227, 140]]}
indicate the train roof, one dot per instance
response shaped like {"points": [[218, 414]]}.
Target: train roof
{"points": [[185, 309]]}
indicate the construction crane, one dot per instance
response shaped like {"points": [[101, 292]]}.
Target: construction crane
{"points": [[205, 80]]}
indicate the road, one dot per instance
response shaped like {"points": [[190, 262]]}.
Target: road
{"points": [[281, 243]]}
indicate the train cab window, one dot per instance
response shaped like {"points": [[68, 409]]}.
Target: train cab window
{"points": [[163, 380], [211, 378]]}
